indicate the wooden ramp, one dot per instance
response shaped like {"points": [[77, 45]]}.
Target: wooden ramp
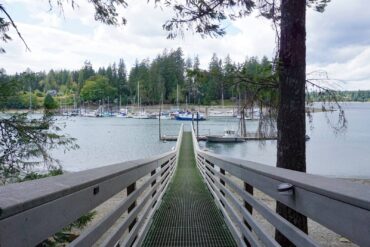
{"points": [[188, 215]]}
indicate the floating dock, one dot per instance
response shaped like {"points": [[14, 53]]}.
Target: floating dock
{"points": [[204, 138], [174, 138]]}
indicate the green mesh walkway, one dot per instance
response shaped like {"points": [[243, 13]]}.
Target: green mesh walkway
{"points": [[188, 215]]}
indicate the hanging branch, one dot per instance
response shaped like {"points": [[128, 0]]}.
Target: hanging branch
{"points": [[327, 96], [105, 11], [14, 26]]}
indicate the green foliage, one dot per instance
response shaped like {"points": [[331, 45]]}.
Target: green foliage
{"points": [[50, 103], [26, 142], [359, 96], [96, 88], [38, 93], [158, 80], [34, 175], [207, 17]]}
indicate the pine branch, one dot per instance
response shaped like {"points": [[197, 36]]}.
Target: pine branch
{"points": [[15, 27]]}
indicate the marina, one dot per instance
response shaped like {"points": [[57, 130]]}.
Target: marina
{"points": [[112, 135], [187, 196], [126, 138]]}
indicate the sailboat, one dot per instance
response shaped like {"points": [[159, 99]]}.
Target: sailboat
{"points": [[142, 114], [188, 116], [161, 115]]}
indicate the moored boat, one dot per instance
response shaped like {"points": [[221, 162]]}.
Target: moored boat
{"points": [[229, 136], [190, 117], [141, 115]]}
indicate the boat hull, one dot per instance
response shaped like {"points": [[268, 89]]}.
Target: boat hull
{"points": [[189, 119], [225, 139]]}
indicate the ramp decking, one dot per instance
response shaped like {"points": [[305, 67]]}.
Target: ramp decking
{"points": [[188, 215]]}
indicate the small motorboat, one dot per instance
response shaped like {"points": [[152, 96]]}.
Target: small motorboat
{"points": [[141, 115], [229, 136], [163, 117], [189, 117], [90, 114]]}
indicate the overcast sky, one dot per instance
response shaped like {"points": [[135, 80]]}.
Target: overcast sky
{"points": [[338, 41]]}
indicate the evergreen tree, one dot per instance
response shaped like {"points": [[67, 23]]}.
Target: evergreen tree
{"points": [[122, 78], [215, 86], [229, 70], [50, 103], [188, 79]]}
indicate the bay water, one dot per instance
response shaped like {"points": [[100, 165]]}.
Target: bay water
{"points": [[105, 141]]}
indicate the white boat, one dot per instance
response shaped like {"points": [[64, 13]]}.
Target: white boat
{"points": [[229, 136], [220, 114], [120, 115], [90, 114], [123, 112], [255, 116], [189, 117], [164, 117], [141, 115]]}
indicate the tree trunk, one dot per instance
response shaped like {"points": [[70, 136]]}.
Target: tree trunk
{"points": [[291, 144]]}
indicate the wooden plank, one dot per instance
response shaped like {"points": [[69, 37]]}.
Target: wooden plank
{"points": [[341, 206], [15, 198], [289, 230], [352, 193], [26, 208], [91, 235], [265, 238]]}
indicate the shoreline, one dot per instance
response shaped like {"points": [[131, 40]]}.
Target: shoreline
{"points": [[167, 107]]}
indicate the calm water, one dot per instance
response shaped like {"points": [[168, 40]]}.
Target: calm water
{"points": [[106, 141], [110, 140]]}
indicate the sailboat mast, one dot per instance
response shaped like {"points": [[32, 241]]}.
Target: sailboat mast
{"points": [[138, 95], [177, 95], [239, 103], [222, 95]]}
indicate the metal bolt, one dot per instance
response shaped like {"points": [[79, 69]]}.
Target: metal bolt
{"points": [[285, 189]]}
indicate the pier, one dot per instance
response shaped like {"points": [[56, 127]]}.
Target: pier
{"points": [[188, 216], [204, 138], [185, 197]]}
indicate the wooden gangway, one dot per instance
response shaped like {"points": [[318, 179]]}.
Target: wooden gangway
{"points": [[185, 197], [188, 215]]}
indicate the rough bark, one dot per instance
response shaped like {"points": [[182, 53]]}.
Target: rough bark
{"points": [[291, 145]]}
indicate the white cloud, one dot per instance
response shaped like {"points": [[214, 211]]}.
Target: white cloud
{"points": [[337, 43], [354, 74], [58, 42], [143, 37]]}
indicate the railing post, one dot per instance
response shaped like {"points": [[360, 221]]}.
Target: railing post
{"points": [[130, 189], [248, 188], [222, 171], [154, 181]]}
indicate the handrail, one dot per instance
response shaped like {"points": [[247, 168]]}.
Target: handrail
{"points": [[341, 206], [32, 211]]}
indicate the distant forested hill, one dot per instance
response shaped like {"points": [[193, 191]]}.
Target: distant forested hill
{"points": [[167, 77], [359, 96]]}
